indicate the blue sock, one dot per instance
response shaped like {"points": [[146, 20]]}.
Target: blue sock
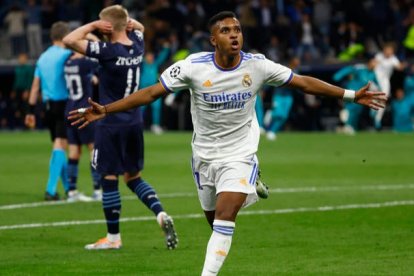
{"points": [[96, 178], [64, 176], [146, 194], [57, 162], [73, 173], [111, 202]]}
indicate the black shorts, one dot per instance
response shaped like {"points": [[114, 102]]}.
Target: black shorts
{"points": [[55, 119], [118, 149]]}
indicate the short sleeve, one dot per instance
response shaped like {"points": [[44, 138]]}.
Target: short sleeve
{"points": [[98, 49], [395, 62], [276, 74], [37, 72], [177, 76]]}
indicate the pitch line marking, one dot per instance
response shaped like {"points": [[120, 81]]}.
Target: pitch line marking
{"points": [[277, 190], [242, 213]]}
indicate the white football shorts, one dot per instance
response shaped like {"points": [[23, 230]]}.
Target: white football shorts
{"points": [[213, 178]]}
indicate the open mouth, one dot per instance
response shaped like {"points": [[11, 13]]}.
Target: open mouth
{"points": [[235, 45]]}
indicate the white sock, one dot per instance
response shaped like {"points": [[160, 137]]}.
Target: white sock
{"points": [[113, 237], [218, 246], [159, 217]]}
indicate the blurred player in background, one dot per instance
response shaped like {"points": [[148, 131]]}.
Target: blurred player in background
{"points": [[282, 101], [149, 76], [49, 78], [386, 63], [355, 76], [402, 112], [80, 78], [226, 131], [119, 143]]}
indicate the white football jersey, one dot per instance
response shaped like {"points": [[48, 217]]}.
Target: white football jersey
{"points": [[384, 70], [223, 101]]}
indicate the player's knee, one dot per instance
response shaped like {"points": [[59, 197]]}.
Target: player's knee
{"points": [[229, 213]]}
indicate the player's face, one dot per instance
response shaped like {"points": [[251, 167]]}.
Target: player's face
{"points": [[227, 36]]}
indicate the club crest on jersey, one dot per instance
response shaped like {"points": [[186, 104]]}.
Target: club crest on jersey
{"points": [[247, 81], [175, 71]]}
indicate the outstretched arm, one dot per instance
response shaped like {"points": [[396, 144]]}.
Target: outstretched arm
{"points": [[77, 40], [83, 116], [309, 85]]}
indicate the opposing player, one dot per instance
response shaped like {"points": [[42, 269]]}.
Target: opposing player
{"points": [[223, 87], [80, 78], [119, 143]]}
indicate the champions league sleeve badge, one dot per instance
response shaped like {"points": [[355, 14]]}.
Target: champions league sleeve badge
{"points": [[175, 71]]}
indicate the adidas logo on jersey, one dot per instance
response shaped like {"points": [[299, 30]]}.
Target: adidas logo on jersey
{"points": [[207, 83]]}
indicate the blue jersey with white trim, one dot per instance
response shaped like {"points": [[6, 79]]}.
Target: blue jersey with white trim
{"points": [[223, 100], [78, 75], [119, 75]]}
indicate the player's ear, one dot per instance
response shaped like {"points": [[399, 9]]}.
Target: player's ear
{"points": [[213, 40]]}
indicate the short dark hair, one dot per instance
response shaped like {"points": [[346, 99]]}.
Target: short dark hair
{"points": [[59, 30], [218, 17]]}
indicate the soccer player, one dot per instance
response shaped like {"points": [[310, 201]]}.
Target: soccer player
{"points": [[149, 76], [80, 78], [357, 75], [119, 143], [282, 101], [386, 63], [223, 86], [49, 77]]}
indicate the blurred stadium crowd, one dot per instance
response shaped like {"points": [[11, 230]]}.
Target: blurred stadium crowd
{"points": [[324, 35]]}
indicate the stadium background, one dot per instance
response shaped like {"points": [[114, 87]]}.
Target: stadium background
{"points": [[270, 27]]}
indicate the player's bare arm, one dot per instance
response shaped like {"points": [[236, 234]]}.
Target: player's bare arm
{"points": [[77, 39], [309, 85], [30, 119], [135, 25], [84, 116]]}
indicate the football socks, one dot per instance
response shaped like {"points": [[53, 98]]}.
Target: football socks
{"points": [[56, 165], [111, 202], [146, 194], [218, 246]]}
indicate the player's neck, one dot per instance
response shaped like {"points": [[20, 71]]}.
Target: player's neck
{"points": [[59, 43], [120, 37], [226, 61]]}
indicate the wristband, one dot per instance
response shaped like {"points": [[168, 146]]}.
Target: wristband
{"points": [[349, 95]]}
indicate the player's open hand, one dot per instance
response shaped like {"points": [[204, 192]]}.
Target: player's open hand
{"points": [[84, 116], [30, 121], [103, 26], [372, 99]]}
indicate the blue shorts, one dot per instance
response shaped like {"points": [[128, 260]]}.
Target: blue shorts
{"points": [[118, 149], [81, 136]]}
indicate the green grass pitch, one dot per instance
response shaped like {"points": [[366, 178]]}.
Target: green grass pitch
{"points": [[339, 205]]}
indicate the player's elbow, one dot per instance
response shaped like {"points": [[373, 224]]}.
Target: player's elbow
{"points": [[68, 41]]}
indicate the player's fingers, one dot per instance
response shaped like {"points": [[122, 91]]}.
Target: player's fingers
{"points": [[84, 124], [74, 115], [77, 122]]}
